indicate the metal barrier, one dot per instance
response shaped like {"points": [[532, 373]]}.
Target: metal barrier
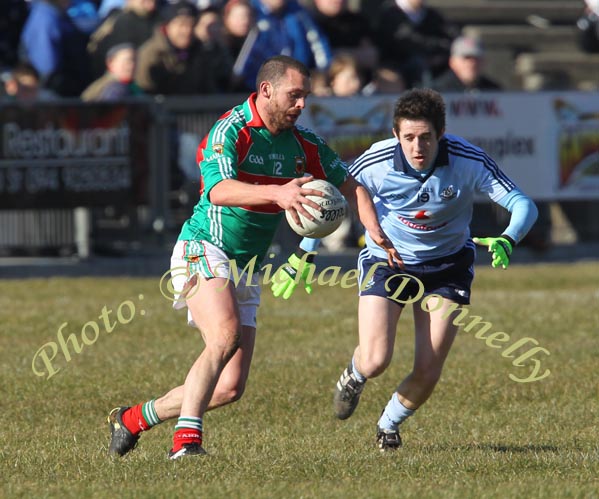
{"points": [[36, 230], [124, 174], [65, 163]]}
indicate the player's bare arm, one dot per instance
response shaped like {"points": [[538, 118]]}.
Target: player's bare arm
{"points": [[360, 200]]}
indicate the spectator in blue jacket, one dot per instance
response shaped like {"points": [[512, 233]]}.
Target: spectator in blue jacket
{"points": [[56, 48], [284, 28], [84, 14]]}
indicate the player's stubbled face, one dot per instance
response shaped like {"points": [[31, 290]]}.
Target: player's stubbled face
{"points": [[288, 100], [419, 142]]}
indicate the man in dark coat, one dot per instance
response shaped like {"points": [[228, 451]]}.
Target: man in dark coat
{"points": [[172, 62]]}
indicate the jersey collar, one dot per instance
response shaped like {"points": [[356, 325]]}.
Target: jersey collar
{"points": [[252, 117], [400, 162]]}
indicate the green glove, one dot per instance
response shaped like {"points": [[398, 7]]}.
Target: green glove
{"points": [[501, 247], [290, 275]]}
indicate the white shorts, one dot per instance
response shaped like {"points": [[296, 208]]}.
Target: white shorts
{"points": [[191, 258]]}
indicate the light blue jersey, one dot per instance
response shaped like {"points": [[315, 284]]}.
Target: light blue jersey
{"points": [[428, 216]]}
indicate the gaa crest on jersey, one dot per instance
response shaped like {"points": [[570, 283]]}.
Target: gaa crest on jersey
{"points": [[300, 165], [449, 193], [218, 148]]}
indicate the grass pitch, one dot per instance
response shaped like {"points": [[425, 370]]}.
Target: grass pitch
{"points": [[480, 435]]}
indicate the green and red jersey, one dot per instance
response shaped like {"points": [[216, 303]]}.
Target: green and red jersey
{"points": [[240, 147]]}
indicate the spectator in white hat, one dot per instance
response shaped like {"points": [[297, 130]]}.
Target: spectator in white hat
{"points": [[466, 63]]}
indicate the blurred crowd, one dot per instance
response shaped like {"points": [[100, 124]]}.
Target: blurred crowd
{"points": [[101, 50], [110, 49]]}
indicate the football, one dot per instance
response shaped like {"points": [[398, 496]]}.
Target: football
{"points": [[334, 210]]}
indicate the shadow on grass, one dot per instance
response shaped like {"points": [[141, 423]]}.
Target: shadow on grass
{"points": [[517, 448], [522, 449]]}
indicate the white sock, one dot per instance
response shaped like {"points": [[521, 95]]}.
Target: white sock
{"points": [[359, 376], [394, 414]]}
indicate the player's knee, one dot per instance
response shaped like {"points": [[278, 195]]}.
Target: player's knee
{"points": [[373, 365], [230, 394]]}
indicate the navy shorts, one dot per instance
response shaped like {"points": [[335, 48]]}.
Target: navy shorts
{"points": [[450, 277]]}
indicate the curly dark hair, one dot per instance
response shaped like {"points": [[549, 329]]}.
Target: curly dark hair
{"points": [[420, 104]]}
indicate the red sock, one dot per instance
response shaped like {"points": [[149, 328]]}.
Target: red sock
{"points": [[186, 436], [134, 421]]}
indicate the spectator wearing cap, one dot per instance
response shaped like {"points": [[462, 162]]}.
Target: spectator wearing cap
{"points": [[135, 24], [465, 69], [172, 61], [117, 83]]}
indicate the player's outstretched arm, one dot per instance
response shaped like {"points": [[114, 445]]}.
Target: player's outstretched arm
{"points": [[523, 216]]}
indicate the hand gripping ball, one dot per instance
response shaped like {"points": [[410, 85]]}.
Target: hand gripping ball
{"points": [[334, 210]]}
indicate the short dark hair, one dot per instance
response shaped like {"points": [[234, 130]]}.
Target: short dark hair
{"points": [[24, 69], [112, 51], [275, 67], [420, 104]]}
